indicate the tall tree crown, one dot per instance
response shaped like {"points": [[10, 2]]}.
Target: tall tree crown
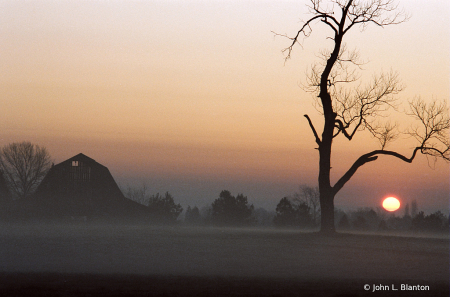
{"points": [[348, 106]]}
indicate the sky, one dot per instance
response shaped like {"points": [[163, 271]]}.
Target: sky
{"points": [[194, 97]]}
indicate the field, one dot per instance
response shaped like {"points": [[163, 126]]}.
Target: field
{"points": [[101, 260]]}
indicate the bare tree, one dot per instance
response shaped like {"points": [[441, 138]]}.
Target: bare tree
{"points": [[24, 165], [138, 194], [349, 107], [311, 196]]}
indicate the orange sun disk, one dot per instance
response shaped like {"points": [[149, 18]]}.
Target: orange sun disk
{"points": [[391, 204]]}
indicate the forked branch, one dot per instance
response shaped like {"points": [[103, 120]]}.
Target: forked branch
{"points": [[369, 157], [432, 134]]}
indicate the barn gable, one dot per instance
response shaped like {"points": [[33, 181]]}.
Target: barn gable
{"points": [[79, 176], [6, 200], [5, 194], [82, 187]]}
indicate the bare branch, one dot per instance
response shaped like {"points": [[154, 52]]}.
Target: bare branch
{"points": [[366, 158], [360, 108], [318, 141], [385, 134], [341, 16], [379, 12], [303, 30], [432, 135], [432, 132]]}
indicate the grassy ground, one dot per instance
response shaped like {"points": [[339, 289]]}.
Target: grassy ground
{"points": [[86, 260]]}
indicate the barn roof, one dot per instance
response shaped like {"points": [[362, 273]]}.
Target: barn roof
{"points": [[80, 186], [81, 157]]}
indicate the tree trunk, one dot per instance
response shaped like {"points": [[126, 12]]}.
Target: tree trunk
{"points": [[325, 189], [327, 212]]}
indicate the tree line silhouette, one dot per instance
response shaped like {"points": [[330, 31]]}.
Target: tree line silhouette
{"points": [[23, 166], [298, 211], [347, 106]]}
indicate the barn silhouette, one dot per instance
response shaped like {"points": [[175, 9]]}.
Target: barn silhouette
{"points": [[5, 194], [5, 199], [82, 189]]}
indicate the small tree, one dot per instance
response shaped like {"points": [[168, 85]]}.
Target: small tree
{"points": [[163, 208], [285, 213], [192, 216], [289, 214], [414, 208], [24, 165], [407, 213], [344, 223], [304, 214], [311, 196], [230, 210], [349, 107], [262, 217], [364, 219]]}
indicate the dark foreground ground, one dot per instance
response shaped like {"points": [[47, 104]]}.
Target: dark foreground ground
{"points": [[88, 260], [52, 285]]}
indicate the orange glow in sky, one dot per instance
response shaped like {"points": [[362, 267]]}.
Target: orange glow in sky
{"points": [[197, 96]]}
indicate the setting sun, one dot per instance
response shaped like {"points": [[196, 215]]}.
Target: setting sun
{"points": [[391, 204]]}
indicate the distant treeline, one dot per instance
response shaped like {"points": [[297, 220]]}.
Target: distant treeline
{"points": [[86, 195], [301, 211]]}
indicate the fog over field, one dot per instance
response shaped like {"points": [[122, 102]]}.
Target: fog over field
{"points": [[344, 261]]}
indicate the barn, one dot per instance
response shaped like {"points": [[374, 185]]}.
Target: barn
{"points": [[82, 189], [5, 199]]}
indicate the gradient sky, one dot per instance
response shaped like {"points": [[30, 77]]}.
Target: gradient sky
{"points": [[194, 97]]}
